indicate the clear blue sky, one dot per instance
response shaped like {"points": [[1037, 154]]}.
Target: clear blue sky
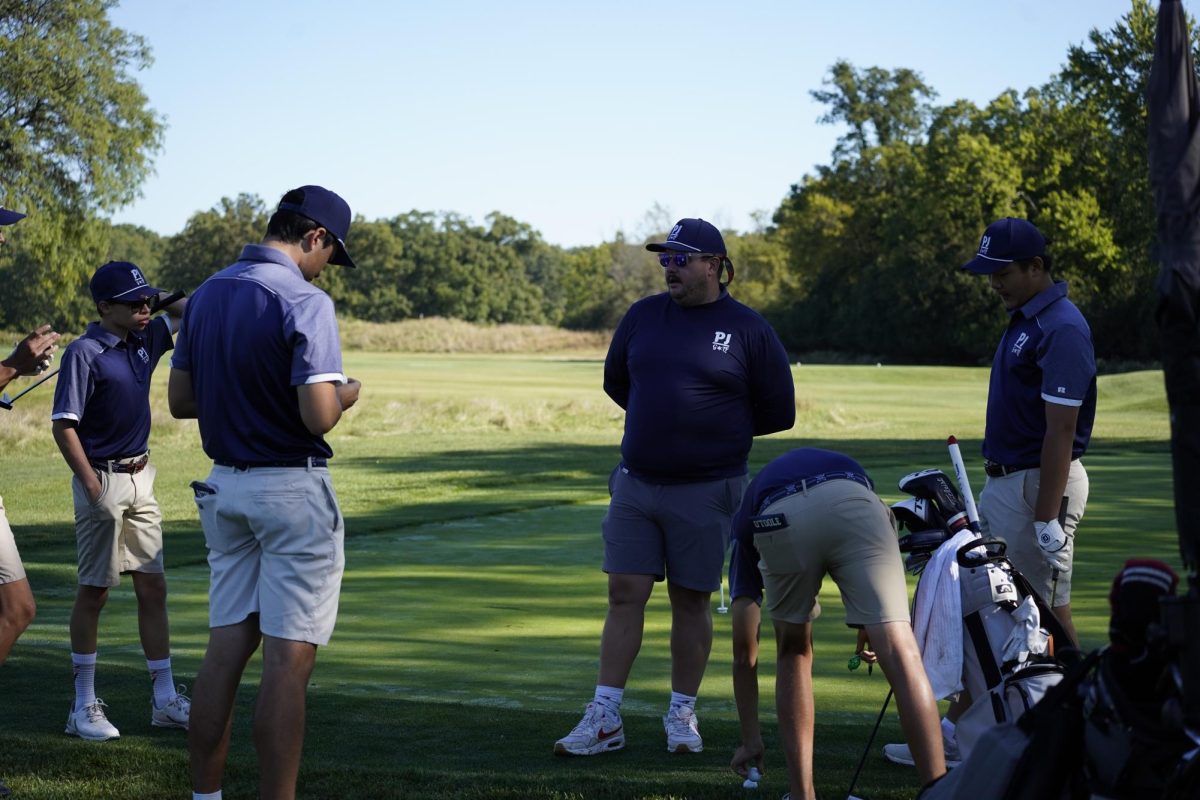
{"points": [[576, 118]]}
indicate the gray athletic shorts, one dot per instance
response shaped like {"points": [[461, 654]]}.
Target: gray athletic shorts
{"points": [[121, 531], [842, 528], [679, 531], [275, 548], [11, 568], [1006, 512]]}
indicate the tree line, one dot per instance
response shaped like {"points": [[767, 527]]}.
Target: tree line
{"points": [[860, 259]]}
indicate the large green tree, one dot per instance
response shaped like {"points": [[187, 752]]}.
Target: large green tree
{"points": [[211, 240], [76, 139]]}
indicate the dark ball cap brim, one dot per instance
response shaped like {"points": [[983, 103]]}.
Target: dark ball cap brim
{"points": [[981, 265], [8, 217], [341, 258], [670, 247]]}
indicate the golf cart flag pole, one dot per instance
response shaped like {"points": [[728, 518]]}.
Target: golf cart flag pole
{"points": [[964, 483]]}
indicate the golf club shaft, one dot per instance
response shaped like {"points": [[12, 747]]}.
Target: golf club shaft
{"points": [[166, 301], [870, 740], [32, 386], [964, 483]]}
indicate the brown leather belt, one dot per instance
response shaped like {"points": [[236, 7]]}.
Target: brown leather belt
{"points": [[118, 465]]}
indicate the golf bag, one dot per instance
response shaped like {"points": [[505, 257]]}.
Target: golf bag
{"points": [[1008, 631], [1111, 728], [1008, 642]]}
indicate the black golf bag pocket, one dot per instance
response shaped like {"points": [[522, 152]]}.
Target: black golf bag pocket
{"points": [[1016, 693]]}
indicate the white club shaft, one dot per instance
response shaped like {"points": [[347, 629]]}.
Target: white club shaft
{"points": [[964, 483]]}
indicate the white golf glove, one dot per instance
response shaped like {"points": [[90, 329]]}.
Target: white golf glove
{"points": [[1054, 542]]}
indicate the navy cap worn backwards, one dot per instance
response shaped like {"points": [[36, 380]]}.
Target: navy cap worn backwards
{"points": [[121, 280], [1005, 241], [329, 211], [691, 236]]}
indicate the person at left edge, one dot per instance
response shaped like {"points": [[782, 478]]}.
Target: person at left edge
{"points": [[101, 424], [699, 375]]}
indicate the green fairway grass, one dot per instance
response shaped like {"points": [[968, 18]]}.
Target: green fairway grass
{"points": [[473, 487]]}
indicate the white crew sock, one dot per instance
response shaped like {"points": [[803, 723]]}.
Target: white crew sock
{"points": [[164, 680], [207, 796], [609, 697], [685, 700], [84, 667]]}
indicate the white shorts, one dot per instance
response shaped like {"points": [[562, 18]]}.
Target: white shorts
{"points": [[275, 548], [11, 568], [121, 531], [1006, 512]]}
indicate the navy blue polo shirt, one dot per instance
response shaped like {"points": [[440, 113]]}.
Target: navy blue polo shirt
{"points": [[1045, 356], [251, 334], [792, 467], [104, 386], [697, 384]]}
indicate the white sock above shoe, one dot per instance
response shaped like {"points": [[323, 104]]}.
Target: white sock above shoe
{"points": [[163, 680], [84, 667], [609, 697], [685, 700], [207, 796], [948, 728]]}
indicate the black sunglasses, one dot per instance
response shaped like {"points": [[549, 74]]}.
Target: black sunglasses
{"points": [[680, 259]]}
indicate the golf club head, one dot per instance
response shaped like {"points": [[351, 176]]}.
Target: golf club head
{"points": [[935, 486], [5, 402], [917, 514]]}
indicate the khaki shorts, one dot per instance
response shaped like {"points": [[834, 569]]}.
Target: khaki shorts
{"points": [[275, 548], [679, 531], [1006, 512], [11, 568], [121, 531], [842, 528]]}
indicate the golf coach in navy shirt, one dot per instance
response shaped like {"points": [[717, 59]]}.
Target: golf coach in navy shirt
{"points": [[259, 364], [699, 375]]}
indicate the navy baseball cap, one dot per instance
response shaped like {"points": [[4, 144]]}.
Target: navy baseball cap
{"points": [[328, 210], [120, 280], [691, 236], [8, 216], [1005, 241]]}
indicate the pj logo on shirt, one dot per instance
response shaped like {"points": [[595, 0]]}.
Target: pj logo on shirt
{"points": [[721, 341]]}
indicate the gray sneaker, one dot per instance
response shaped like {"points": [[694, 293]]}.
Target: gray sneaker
{"points": [[900, 754], [175, 714]]}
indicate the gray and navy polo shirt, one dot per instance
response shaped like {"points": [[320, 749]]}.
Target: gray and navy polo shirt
{"points": [[104, 386], [251, 334], [1045, 356]]}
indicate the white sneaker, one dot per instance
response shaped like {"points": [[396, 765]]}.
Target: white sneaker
{"points": [[90, 723], [600, 731], [901, 754], [175, 714], [683, 730]]}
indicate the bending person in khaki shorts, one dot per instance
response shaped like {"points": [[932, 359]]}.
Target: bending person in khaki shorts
{"points": [[101, 420], [809, 513]]}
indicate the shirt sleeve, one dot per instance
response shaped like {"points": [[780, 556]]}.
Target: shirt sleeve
{"points": [[317, 355], [773, 392], [74, 385], [1068, 364], [181, 359], [616, 365], [745, 580]]}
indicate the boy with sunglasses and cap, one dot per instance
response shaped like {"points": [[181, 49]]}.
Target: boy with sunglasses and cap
{"points": [[699, 375], [101, 424]]}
